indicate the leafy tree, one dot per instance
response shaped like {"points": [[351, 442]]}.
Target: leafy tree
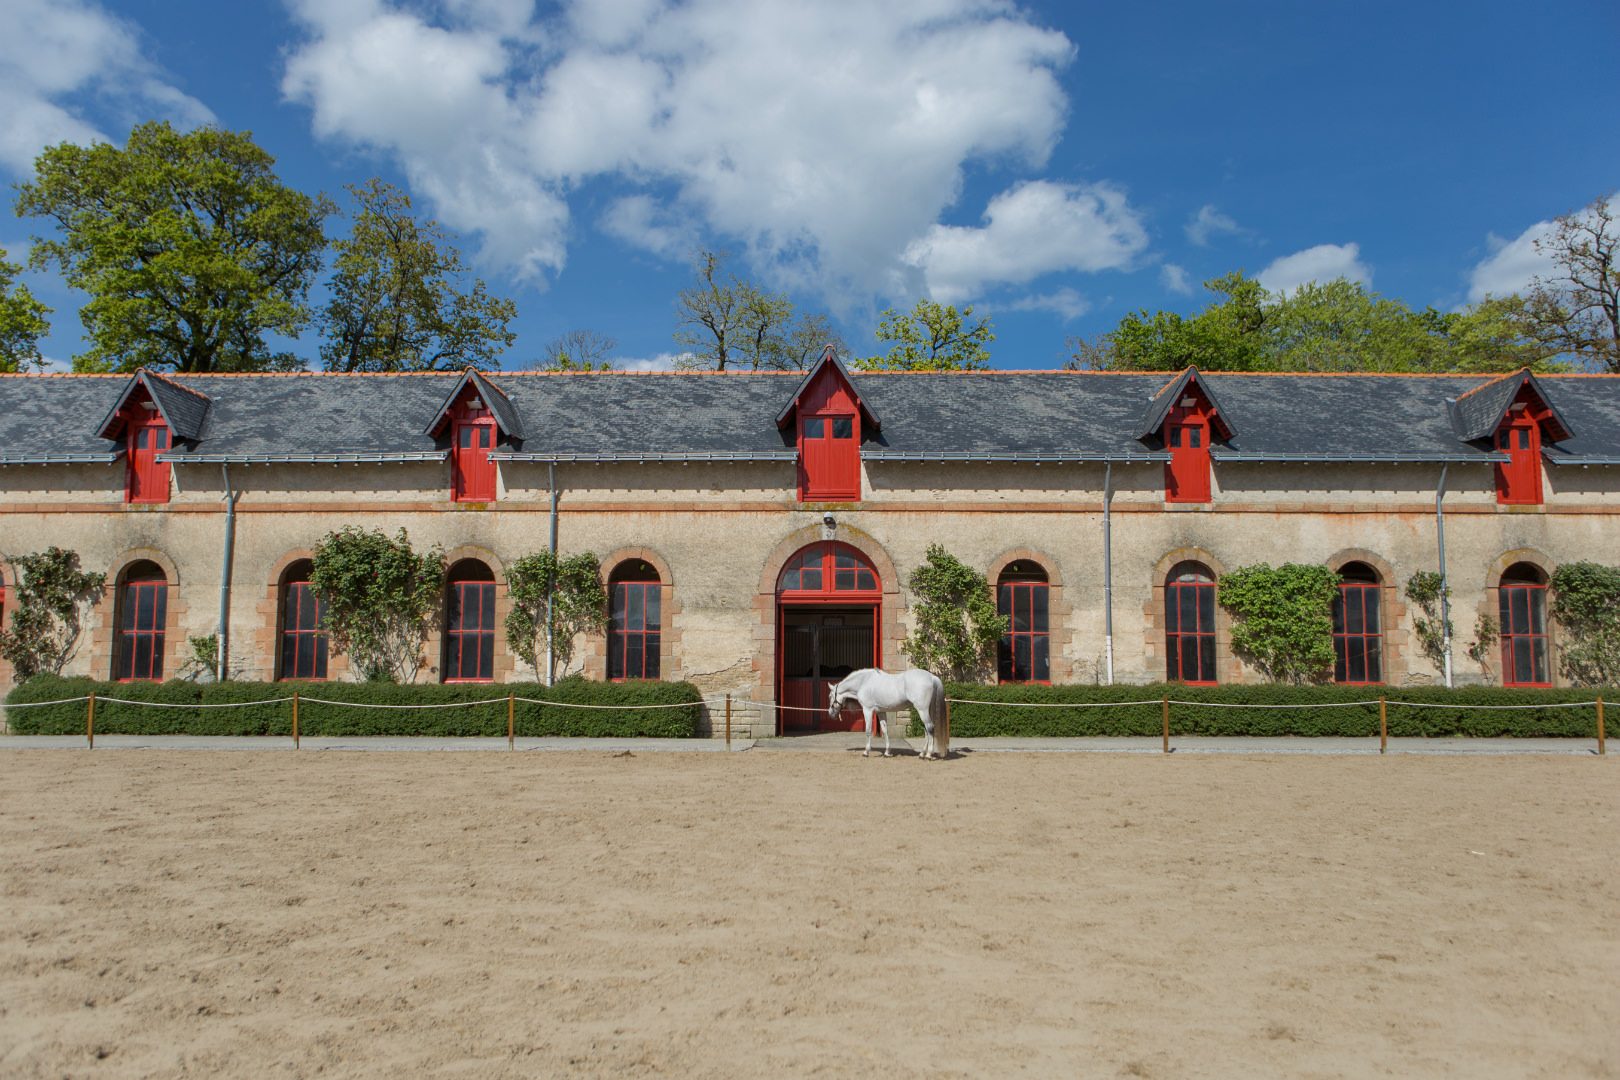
{"points": [[578, 350], [955, 626], [1577, 309], [53, 595], [22, 321], [378, 595], [1428, 590], [808, 338], [932, 337], [725, 322], [399, 298], [1334, 326], [1486, 634], [1283, 619], [189, 246], [569, 591], [1586, 605]]}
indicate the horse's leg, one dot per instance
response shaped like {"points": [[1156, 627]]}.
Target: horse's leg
{"points": [[883, 719], [930, 748], [868, 751]]}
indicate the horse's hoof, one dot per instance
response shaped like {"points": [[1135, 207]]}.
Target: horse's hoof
{"points": [[866, 753], [887, 754]]}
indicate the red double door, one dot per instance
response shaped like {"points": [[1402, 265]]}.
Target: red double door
{"points": [[828, 599]]}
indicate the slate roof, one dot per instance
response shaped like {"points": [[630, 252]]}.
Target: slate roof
{"points": [[1477, 413], [183, 408], [1049, 415], [1160, 404]]}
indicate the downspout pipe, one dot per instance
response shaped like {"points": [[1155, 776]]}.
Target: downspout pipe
{"points": [[551, 646], [1445, 584], [1108, 575], [223, 639]]}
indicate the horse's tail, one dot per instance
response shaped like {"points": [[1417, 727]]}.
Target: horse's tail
{"points": [[942, 730]]}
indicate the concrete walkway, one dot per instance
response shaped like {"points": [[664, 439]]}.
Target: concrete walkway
{"points": [[829, 742]]}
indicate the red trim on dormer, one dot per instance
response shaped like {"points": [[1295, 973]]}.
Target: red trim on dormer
{"points": [[828, 428], [145, 435], [1519, 435], [1189, 426], [473, 434]]}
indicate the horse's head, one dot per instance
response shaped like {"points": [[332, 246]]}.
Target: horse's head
{"points": [[832, 701]]}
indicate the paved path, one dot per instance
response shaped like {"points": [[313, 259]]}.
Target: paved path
{"points": [[830, 742]]}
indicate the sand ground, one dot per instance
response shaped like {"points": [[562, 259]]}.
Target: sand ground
{"points": [[401, 915]]}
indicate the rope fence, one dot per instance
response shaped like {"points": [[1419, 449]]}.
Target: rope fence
{"points": [[511, 700]]}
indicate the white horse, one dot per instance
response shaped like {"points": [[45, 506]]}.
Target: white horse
{"points": [[880, 692]]}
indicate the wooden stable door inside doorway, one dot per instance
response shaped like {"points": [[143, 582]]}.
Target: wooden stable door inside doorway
{"points": [[818, 646]]}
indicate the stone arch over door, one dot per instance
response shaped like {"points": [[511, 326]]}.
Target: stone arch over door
{"points": [[1491, 605], [104, 634], [1060, 613], [1392, 608], [1227, 667], [669, 643], [764, 650]]}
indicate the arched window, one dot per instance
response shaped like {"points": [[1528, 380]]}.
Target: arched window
{"points": [[1025, 651], [827, 567], [143, 611], [1189, 623], [303, 642], [469, 623], [1522, 607], [635, 621], [1358, 640]]}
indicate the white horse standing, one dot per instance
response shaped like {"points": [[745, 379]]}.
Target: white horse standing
{"points": [[880, 692]]}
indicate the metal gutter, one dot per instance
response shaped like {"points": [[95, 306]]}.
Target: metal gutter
{"points": [[1436, 459], [1445, 583], [303, 459], [223, 642], [553, 456], [551, 594], [60, 459], [1037, 459], [1108, 575], [1580, 460]]}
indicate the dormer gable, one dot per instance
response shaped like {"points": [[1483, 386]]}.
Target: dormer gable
{"points": [[825, 388], [1482, 412], [1185, 417], [184, 411], [1186, 391], [476, 392]]}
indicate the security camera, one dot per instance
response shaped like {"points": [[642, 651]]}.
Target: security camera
{"points": [[827, 520]]}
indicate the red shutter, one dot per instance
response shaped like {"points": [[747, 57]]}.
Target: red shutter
{"points": [[829, 458], [1186, 436], [1519, 481], [472, 472]]}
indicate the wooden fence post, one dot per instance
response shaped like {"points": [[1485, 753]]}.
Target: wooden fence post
{"points": [[90, 723], [728, 721], [511, 723], [1166, 703], [295, 719], [1601, 748], [947, 727], [1383, 725]]}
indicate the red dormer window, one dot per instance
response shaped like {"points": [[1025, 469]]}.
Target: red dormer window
{"points": [[472, 437], [146, 435], [1518, 481], [828, 417], [1186, 436]]}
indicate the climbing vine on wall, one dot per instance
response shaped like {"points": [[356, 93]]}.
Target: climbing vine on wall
{"points": [[378, 595], [1282, 619], [1586, 605], [53, 595], [955, 626]]}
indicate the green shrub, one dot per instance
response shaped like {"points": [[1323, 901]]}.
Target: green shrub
{"points": [[969, 721], [315, 718]]}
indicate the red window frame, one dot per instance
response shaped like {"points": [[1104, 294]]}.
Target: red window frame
{"points": [[1522, 609], [472, 473], [635, 630], [303, 641], [1518, 482], [1196, 598], [830, 457], [1358, 638], [143, 613], [146, 479], [1186, 437], [828, 569], [469, 632], [1025, 652]]}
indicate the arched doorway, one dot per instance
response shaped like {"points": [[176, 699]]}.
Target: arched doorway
{"points": [[827, 609]]}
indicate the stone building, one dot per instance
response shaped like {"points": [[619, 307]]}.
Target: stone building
{"points": [[756, 530]]}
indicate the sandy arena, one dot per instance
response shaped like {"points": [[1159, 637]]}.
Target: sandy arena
{"points": [[479, 915]]}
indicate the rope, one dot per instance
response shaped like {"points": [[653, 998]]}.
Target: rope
{"points": [[1549, 705], [196, 704], [39, 704], [1054, 704], [1316, 705], [436, 705], [582, 705]]}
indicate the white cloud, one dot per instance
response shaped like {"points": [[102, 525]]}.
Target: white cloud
{"points": [[55, 57], [661, 362], [642, 223], [1030, 229], [1175, 279], [1210, 222], [1514, 264], [1065, 303], [821, 139], [1322, 263]]}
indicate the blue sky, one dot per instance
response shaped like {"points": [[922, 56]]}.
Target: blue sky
{"points": [[1055, 165]]}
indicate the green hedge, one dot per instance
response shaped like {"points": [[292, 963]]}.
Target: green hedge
{"points": [[968, 721], [316, 719]]}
